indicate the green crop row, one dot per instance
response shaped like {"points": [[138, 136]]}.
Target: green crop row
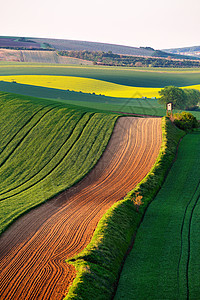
{"points": [[99, 264], [52, 148]]}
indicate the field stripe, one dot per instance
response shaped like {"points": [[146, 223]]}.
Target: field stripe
{"points": [[57, 152], [41, 134], [55, 166], [87, 85], [25, 135], [17, 132], [34, 248]]}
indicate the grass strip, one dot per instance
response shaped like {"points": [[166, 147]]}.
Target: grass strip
{"points": [[99, 264]]}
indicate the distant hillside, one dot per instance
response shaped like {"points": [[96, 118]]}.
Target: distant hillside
{"points": [[59, 44], [94, 46], [43, 44], [38, 56], [189, 51], [19, 43]]}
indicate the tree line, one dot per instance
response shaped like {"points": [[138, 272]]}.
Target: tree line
{"points": [[111, 59]]}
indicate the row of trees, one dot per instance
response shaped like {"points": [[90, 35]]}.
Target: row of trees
{"points": [[180, 98], [111, 59]]}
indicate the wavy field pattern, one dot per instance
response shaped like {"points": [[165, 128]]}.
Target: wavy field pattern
{"points": [[152, 77], [86, 85], [46, 150], [34, 248]]}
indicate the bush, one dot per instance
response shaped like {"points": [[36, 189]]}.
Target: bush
{"points": [[185, 121]]}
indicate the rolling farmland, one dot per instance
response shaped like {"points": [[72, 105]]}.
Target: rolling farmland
{"points": [[89, 92], [67, 158], [125, 76], [86, 85], [38, 243], [164, 261]]}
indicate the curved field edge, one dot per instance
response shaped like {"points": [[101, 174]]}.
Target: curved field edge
{"points": [[119, 75], [99, 264], [12, 208], [87, 85]]}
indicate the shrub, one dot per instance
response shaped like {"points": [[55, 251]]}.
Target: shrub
{"points": [[185, 121]]}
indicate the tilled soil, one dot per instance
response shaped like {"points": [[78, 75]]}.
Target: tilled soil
{"points": [[33, 250]]}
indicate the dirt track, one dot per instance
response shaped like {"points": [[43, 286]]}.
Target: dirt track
{"points": [[33, 250]]}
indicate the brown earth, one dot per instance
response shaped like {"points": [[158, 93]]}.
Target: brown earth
{"points": [[9, 55], [33, 250]]}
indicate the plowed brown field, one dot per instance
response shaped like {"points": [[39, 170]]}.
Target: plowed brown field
{"points": [[33, 250]]}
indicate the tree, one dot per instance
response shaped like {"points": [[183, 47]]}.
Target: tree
{"points": [[172, 94], [193, 98], [181, 98]]}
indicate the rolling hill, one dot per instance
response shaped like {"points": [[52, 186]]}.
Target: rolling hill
{"points": [[189, 51], [64, 44]]}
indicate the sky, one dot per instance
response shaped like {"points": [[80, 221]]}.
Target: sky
{"points": [[154, 23]]}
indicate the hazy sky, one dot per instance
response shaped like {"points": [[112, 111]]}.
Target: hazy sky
{"points": [[155, 23]]}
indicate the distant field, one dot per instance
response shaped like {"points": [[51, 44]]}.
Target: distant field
{"points": [[126, 76], [164, 261], [86, 85], [45, 148], [100, 80], [91, 101]]}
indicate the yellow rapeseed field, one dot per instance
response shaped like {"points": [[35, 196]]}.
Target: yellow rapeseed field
{"points": [[85, 85]]}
